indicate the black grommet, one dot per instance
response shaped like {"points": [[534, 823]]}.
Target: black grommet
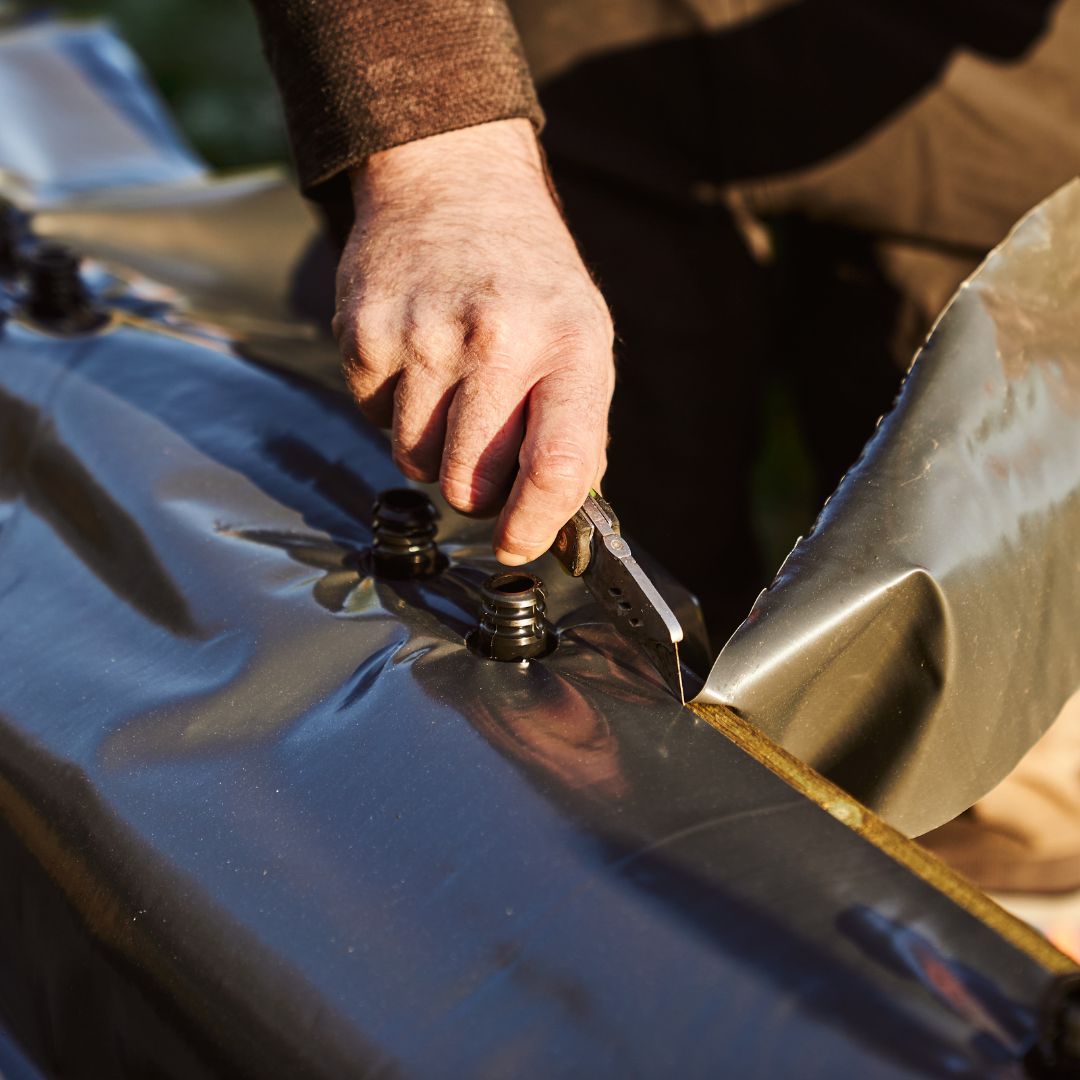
{"points": [[9, 238], [57, 298], [1057, 1050], [513, 619], [405, 521]]}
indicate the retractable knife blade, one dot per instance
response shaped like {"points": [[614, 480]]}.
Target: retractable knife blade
{"points": [[590, 546]]}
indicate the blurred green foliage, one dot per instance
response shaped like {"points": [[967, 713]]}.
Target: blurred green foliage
{"points": [[783, 504], [206, 59]]}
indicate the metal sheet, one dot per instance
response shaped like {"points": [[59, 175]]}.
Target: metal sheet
{"points": [[924, 634]]}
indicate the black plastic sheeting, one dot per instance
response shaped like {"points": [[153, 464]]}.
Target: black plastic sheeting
{"points": [[263, 815], [266, 814], [925, 634]]}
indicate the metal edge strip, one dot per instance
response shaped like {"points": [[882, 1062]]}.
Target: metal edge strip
{"points": [[894, 844]]}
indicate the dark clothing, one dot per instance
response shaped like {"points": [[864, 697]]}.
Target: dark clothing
{"points": [[776, 95], [359, 77]]}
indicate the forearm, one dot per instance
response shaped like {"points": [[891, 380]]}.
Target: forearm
{"points": [[360, 76]]}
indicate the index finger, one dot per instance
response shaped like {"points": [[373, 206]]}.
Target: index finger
{"points": [[561, 458]]}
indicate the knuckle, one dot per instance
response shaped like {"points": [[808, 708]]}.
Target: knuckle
{"points": [[486, 486], [430, 343], [503, 370], [465, 483], [409, 427], [509, 337], [356, 348], [428, 371], [366, 361], [592, 329], [580, 346], [412, 453], [458, 471], [525, 538], [339, 325], [362, 381], [492, 327], [558, 469], [405, 453], [362, 321]]}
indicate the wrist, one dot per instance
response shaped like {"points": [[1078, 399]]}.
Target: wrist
{"points": [[491, 153]]}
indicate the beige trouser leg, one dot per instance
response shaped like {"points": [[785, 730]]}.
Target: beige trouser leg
{"points": [[1025, 835]]}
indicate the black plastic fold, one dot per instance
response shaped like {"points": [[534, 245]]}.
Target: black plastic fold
{"points": [[927, 631]]}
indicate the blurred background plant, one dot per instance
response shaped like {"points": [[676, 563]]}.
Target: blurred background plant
{"points": [[206, 59]]}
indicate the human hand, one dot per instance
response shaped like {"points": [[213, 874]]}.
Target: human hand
{"points": [[468, 324]]}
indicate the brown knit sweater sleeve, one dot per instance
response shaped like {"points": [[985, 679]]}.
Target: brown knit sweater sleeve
{"points": [[358, 76]]}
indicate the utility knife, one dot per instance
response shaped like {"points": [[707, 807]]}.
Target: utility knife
{"points": [[590, 547]]}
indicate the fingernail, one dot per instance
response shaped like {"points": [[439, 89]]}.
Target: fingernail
{"points": [[509, 558]]}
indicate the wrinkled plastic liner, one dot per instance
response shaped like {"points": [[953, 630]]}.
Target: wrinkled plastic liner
{"points": [[925, 633]]}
